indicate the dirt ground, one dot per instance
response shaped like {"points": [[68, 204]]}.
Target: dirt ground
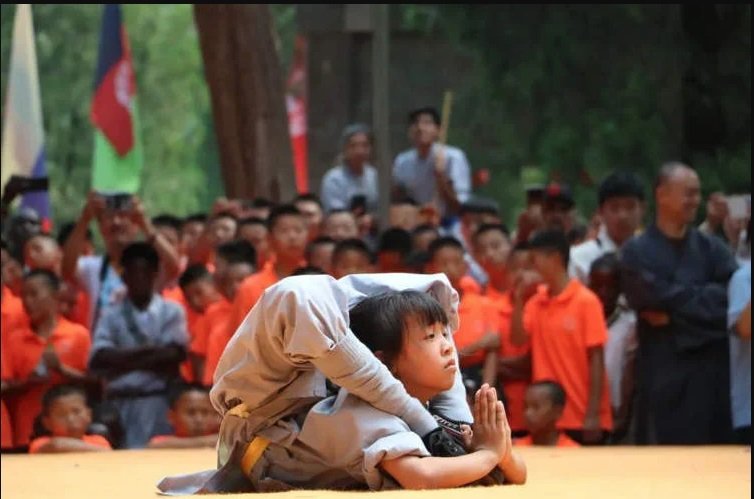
{"points": [[615, 472]]}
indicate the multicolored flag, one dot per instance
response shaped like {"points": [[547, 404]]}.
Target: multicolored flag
{"points": [[296, 102], [118, 155], [23, 134]]}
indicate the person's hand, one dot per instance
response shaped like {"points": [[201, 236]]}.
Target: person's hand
{"points": [[138, 215], [491, 430], [95, 205], [655, 318], [50, 358], [467, 434], [592, 431], [525, 285], [440, 160], [225, 205], [717, 209]]}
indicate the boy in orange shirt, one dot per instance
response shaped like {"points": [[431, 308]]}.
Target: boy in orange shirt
{"points": [[287, 237], [477, 338], [566, 326], [48, 352], [199, 293], [351, 256], [234, 262], [66, 418], [545, 401], [194, 420]]}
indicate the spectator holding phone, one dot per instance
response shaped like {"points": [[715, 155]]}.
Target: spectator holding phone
{"points": [[120, 219]]}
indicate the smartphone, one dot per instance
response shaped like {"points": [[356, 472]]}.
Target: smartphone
{"points": [[119, 201], [29, 184], [359, 203], [739, 206]]}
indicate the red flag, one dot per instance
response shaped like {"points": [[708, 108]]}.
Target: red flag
{"points": [[296, 102]]}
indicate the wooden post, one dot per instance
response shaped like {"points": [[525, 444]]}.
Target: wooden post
{"points": [[381, 105]]}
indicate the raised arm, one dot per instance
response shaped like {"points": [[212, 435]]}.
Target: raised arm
{"points": [[74, 245]]}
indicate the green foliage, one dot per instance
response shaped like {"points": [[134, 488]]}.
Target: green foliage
{"points": [[181, 172]]}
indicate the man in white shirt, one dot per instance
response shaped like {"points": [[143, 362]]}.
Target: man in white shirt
{"points": [[621, 206]]}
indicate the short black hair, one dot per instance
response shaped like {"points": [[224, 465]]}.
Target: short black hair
{"points": [[339, 211], [319, 241], [65, 232], [620, 184], [352, 244], [224, 214], [238, 251], [479, 206], [551, 240], [283, 210], [413, 116], [443, 242], [308, 270], [258, 202], [379, 321], [140, 251], [403, 199], [557, 393], [577, 233], [192, 274], [196, 217], [252, 221], [53, 281], [488, 227], [308, 196], [417, 260], [608, 261], [59, 391], [395, 239], [177, 390], [167, 220], [421, 229]]}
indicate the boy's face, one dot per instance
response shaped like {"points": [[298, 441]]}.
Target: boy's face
{"points": [[622, 216], [546, 262], [450, 262], [606, 286], [341, 226], [357, 149], [39, 298], [222, 230], [288, 238], [200, 294], [170, 234], [190, 234], [426, 364], [321, 256], [139, 277], [492, 250], [423, 131], [256, 235], [68, 416], [41, 252], [518, 262], [312, 216], [351, 262], [391, 261], [422, 240], [67, 300], [193, 415], [234, 276], [539, 412]]}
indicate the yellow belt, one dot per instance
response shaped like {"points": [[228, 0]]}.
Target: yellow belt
{"points": [[255, 448]]}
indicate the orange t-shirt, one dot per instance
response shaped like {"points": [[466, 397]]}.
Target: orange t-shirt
{"points": [[476, 317], [71, 343], [562, 329], [216, 335], [248, 294], [563, 441], [6, 425], [176, 295], [80, 314], [12, 314], [97, 440], [514, 390]]}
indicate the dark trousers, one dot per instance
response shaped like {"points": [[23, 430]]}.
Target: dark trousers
{"points": [[683, 395]]}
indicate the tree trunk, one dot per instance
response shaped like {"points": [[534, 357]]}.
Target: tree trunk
{"points": [[248, 104]]}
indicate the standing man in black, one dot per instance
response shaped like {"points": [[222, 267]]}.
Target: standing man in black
{"points": [[675, 277]]}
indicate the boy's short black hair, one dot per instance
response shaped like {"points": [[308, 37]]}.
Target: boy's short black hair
{"points": [[339, 211], [551, 240], [257, 202], [488, 227], [620, 184], [140, 251], [421, 229], [65, 232], [177, 390], [308, 196], [608, 261], [443, 242], [53, 281], [239, 251], [252, 221], [283, 210], [413, 116], [395, 239], [557, 393], [192, 274], [352, 244], [58, 391], [480, 206], [167, 220], [417, 260], [319, 241], [577, 233], [308, 270], [224, 214], [196, 217], [379, 321]]}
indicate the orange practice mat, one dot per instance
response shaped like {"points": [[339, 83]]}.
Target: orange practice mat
{"points": [[610, 472]]}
